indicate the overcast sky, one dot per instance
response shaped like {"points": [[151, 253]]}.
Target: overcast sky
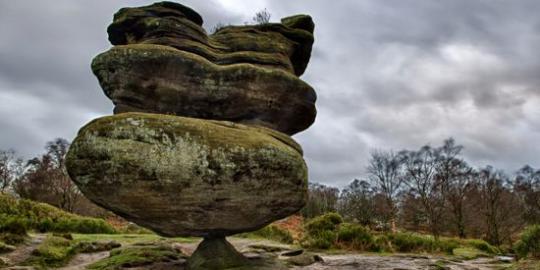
{"points": [[389, 74]]}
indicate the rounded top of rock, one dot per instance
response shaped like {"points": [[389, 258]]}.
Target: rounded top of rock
{"points": [[125, 18]]}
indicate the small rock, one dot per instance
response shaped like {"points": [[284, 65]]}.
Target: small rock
{"points": [[304, 259], [91, 247], [292, 253], [505, 259]]}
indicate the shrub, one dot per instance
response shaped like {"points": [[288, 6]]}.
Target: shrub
{"points": [[529, 243], [482, 246], [355, 236], [13, 225], [320, 240], [326, 222], [321, 232], [275, 233], [19, 215]]}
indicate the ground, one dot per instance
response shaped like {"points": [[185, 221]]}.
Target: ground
{"points": [[253, 248]]}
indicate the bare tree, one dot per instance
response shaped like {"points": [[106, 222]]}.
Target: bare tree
{"points": [[262, 17], [322, 199], [491, 186], [455, 177], [11, 168], [421, 177], [527, 186], [385, 171], [356, 202], [46, 179]]}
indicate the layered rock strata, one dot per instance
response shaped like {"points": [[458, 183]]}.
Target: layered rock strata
{"points": [[246, 74]]}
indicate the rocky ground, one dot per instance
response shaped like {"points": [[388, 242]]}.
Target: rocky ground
{"points": [[275, 256]]}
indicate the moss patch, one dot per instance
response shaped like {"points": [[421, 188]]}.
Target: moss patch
{"points": [[137, 256], [468, 253], [52, 252]]}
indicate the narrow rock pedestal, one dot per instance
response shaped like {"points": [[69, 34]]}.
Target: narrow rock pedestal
{"points": [[215, 253]]}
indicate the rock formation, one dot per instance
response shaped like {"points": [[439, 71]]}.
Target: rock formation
{"points": [[199, 144]]}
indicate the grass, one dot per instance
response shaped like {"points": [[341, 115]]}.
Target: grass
{"points": [[469, 253], [52, 252], [136, 256], [129, 239], [271, 232], [22, 215]]}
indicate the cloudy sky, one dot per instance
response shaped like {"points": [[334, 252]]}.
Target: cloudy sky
{"points": [[389, 74]]}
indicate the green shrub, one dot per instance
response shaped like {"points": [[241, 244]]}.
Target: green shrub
{"points": [[482, 246], [529, 243], [18, 215], [275, 233], [355, 236], [13, 225], [408, 242], [320, 240], [321, 232], [326, 222]]}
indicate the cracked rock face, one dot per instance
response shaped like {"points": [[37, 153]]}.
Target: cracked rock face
{"points": [[188, 177], [164, 62]]}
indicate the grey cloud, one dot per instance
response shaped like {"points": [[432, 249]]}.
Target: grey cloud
{"points": [[389, 74]]}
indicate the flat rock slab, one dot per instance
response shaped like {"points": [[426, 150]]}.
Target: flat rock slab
{"points": [[188, 177]]}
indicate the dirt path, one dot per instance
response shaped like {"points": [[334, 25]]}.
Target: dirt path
{"points": [[395, 262], [80, 261], [23, 252]]}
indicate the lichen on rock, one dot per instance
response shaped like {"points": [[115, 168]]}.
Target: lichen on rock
{"points": [[183, 176]]}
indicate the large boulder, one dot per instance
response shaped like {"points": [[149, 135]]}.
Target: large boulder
{"points": [[188, 177], [161, 79]]}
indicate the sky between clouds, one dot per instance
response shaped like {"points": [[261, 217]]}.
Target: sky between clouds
{"points": [[389, 74]]}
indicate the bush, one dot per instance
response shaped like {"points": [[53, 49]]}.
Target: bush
{"points": [[482, 246], [320, 240], [275, 233], [321, 232], [410, 242], [18, 216], [326, 222], [81, 225], [13, 225], [355, 236], [529, 243], [407, 242]]}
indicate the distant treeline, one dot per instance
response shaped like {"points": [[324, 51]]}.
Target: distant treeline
{"points": [[433, 189], [44, 179]]}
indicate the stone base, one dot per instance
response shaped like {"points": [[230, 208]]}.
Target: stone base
{"points": [[216, 253]]}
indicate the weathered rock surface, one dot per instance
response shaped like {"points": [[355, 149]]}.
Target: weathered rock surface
{"points": [[188, 177], [285, 45], [161, 79]]}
